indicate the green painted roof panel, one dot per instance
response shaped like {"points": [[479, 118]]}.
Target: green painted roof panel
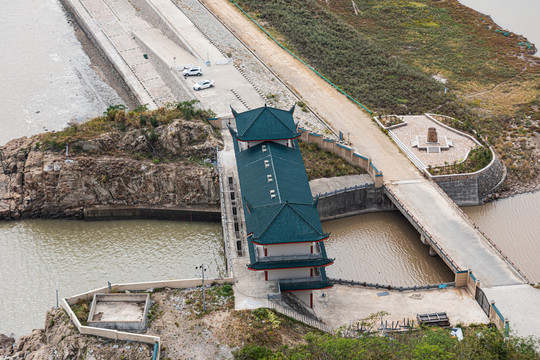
{"points": [[278, 205], [265, 123]]}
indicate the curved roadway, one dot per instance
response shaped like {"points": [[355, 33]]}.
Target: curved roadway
{"points": [[445, 222]]}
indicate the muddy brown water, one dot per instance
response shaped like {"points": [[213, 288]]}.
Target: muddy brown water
{"points": [[382, 248], [81, 256], [48, 82], [514, 225]]}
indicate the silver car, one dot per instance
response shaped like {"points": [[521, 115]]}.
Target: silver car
{"points": [[192, 71], [205, 84]]}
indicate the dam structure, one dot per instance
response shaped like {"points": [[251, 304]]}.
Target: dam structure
{"points": [[284, 233], [148, 40]]}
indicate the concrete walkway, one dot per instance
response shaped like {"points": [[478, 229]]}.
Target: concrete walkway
{"points": [[519, 304], [328, 185], [443, 218], [345, 304], [116, 19], [447, 225], [250, 288]]}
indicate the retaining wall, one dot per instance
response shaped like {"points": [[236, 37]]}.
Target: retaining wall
{"points": [[122, 325], [148, 12], [163, 213], [174, 81], [143, 286], [345, 153], [103, 44], [355, 201], [127, 336], [473, 188]]}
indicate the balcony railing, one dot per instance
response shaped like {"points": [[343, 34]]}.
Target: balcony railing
{"points": [[301, 280], [289, 257]]}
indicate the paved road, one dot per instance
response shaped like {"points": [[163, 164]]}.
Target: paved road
{"points": [[115, 21], [446, 223], [332, 106], [230, 89], [465, 245]]}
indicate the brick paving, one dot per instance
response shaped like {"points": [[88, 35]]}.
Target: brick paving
{"points": [[418, 126]]}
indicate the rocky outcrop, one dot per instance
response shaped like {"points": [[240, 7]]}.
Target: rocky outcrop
{"points": [[61, 340], [169, 165]]}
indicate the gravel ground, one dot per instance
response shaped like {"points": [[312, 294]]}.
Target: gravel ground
{"points": [[276, 93]]}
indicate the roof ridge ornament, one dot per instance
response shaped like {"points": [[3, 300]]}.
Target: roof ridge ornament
{"points": [[233, 112]]}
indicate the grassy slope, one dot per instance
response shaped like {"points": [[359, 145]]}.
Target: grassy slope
{"points": [[386, 54], [323, 164], [118, 120]]}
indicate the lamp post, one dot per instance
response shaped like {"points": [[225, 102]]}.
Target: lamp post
{"points": [[203, 269]]}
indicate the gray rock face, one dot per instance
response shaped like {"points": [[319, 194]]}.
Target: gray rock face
{"points": [[110, 169], [60, 340]]}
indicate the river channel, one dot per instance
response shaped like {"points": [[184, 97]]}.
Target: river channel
{"points": [[48, 82], [80, 256]]}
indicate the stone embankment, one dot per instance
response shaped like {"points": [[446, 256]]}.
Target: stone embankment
{"points": [[169, 168]]}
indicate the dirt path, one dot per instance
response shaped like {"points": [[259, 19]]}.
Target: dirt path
{"points": [[332, 106]]}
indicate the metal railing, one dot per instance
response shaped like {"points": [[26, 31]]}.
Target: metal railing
{"points": [[299, 317], [415, 160], [300, 280], [288, 257], [393, 287], [477, 228], [345, 189]]}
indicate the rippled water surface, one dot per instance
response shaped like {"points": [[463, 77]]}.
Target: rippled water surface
{"points": [[514, 225], [46, 76], [383, 248], [519, 16], [80, 256]]}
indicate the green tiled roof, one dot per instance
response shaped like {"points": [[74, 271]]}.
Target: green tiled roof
{"points": [[265, 123], [277, 200]]}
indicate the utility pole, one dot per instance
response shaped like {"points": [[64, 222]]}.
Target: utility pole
{"points": [[202, 275]]}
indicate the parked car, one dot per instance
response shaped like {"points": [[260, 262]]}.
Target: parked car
{"points": [[193, 71], [205, 84]]}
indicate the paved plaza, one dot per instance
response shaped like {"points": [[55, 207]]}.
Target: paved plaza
{"points": [[345, 304], [416, 130]]}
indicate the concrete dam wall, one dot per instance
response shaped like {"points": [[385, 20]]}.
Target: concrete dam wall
{"points": [[353, 201]]}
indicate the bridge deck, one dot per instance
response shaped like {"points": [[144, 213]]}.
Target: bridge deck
{"points": [[464, 245]]}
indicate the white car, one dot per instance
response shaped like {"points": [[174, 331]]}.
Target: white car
{"points": [[205, 84], [192, 71]]}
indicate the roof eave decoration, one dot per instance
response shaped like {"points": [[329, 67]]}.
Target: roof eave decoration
{"points": [[293, 136], [234, 112], [259, 241], [292, 108]]}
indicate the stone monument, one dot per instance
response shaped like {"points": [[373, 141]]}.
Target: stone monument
{"points": [[432, 135]]}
